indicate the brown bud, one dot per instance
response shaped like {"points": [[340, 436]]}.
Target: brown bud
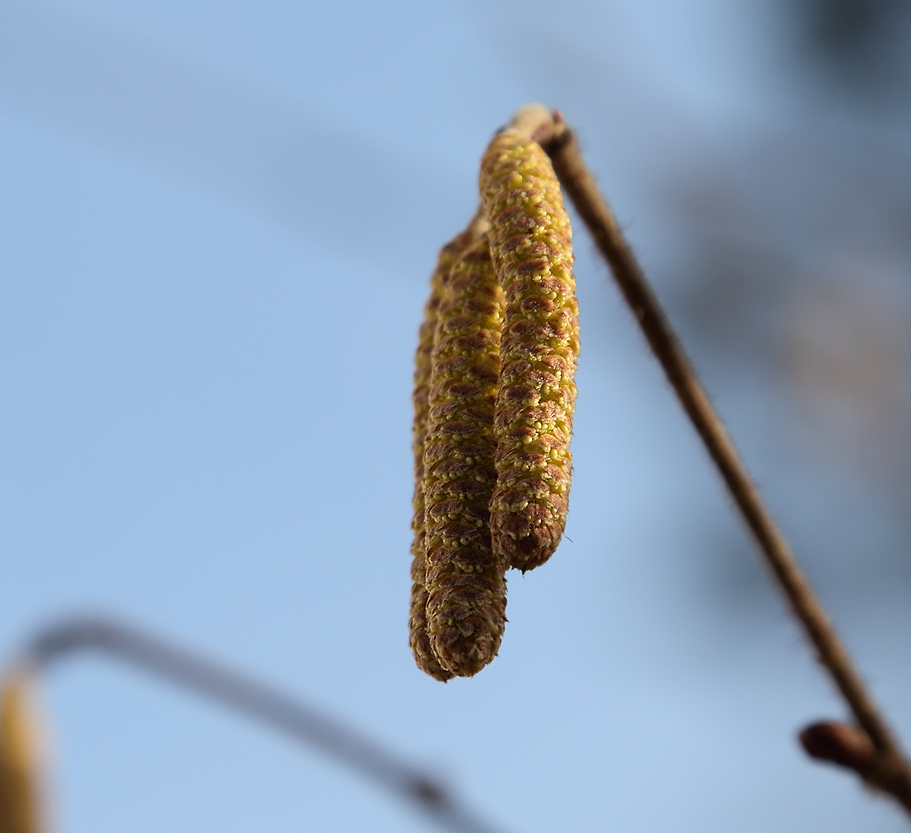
{"points": [[840, 743], [530, 241], [466, 587]]}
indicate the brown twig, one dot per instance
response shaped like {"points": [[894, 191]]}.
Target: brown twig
{"points": [[559, 141], [249, 697]]}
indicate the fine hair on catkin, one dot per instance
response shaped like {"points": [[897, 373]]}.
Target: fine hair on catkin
{"points": [[531, 247], [465, 579]]}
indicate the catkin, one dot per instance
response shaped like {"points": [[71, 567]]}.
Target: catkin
{"points": [[417, 623], [465, 580], [20, 810], [531, 246]]}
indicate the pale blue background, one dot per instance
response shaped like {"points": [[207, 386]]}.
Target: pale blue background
{"points": [[216, 226]]}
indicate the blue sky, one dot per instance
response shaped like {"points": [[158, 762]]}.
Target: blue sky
{"points": [[218, 223]]}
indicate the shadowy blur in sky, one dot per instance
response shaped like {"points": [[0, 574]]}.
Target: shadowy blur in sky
{"points": [[218, 223]]}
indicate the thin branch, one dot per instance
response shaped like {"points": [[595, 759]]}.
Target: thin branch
{"points": [[253, 699], [595, 212]]}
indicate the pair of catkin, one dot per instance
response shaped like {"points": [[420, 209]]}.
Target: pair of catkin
{"points": [[493, 398]]}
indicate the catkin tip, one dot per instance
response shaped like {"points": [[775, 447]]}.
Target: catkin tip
{"points": [[467, 634], [419, 638]]}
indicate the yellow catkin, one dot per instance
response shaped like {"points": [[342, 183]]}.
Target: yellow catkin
{"points": [[466, 585], [417, 623], [20, 809], [531, 245]]}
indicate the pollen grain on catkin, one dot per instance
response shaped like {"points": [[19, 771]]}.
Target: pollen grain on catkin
{"points": [[465, 579], [531, 246]]}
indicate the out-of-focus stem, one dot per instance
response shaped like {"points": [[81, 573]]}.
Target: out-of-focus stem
{"points": [[249, 697]]}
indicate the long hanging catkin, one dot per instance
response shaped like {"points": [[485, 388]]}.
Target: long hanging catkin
{"points": [[531, 245], [417, 623], [465, 580], [20, 810]]}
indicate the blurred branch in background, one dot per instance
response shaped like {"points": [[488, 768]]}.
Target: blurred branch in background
{"points": [[230, 136], [253, 699], [862, 44], [793, 294]]}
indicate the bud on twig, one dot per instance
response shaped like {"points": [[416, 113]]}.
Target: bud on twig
{"points": [[851, 747], [530, 240], [839, 743]]}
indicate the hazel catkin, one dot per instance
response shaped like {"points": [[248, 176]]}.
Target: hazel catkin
{"points": [[531, 247], [465, 579], [20, 809], [417, 623]]}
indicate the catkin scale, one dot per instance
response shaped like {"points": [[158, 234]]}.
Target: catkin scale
{"points": [[465, 579], [530, 242], [419, 638], [20, 810]]}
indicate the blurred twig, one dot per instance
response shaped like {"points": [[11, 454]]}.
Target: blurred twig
{"points": [[83, 77], [579, 183], [245, 695]]}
